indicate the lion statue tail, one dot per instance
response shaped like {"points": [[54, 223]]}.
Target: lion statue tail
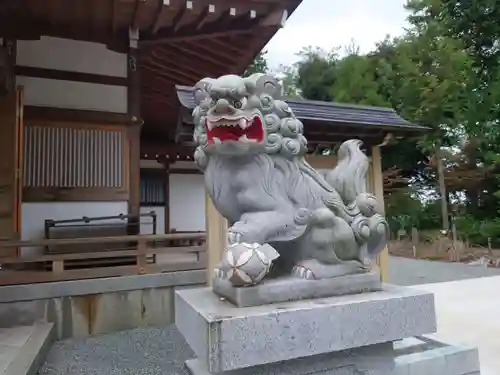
{"points": [[349, 176]]}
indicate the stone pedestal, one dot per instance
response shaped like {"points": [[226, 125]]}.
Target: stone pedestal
{"points": [[354, 334], [287, 289]]}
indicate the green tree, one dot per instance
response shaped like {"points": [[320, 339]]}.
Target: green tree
{"points": [[258, 65], [475, 24], [316, 73]]}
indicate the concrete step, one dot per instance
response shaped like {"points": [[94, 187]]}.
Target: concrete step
{"points": [[23, 349]]}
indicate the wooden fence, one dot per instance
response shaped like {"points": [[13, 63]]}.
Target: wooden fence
{"points": [[54, 267]]}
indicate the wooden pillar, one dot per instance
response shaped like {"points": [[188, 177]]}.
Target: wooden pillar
{"points": [[7, 64], [378, 190], [216, 230], [166, 175], [134, 133]]}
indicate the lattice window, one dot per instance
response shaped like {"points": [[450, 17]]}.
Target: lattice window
{"points": [[152, 189], [70, 157]]}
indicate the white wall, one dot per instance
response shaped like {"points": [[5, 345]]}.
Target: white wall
{"points": [[71, 55], [45, 92], [187, 205], [186, 199], [74, 56], [160, 220], [187, 202]]}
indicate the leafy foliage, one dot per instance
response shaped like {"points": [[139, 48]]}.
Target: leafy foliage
{"points": [[258, 65], [444, 73]]}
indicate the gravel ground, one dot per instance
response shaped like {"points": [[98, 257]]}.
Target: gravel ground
{"points": [[163, 351], [150, 351]]}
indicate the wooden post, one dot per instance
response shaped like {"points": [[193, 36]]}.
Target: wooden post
{"points": [[378, 191], [216, 230], [134, 134], [442, 191], [166, 175], [7, 65], [141, 257]]}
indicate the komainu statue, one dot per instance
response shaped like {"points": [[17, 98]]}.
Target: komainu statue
{"points": [[285, 218]]}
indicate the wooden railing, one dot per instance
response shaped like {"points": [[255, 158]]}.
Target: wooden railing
{"points": [[54, 267]]}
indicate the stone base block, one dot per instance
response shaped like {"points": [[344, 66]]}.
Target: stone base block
{"points": [[225, 337], [294, 289], [414, 356]]}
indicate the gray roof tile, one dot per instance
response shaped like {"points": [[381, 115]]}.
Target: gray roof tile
{"points": [[330, 112]]}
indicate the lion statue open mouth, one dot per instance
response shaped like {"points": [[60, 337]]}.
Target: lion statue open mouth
{"points": [[251, 149]]}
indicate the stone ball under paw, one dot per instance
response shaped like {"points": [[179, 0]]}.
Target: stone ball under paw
{"points": [[246, 264]]}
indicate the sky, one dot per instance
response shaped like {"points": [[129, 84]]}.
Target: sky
{"points": [[332, 23]]}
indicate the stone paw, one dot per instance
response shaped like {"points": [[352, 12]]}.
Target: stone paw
{"points": [[302, 272], [218, 273], [233, 237], [312, 269], [244, 232]]}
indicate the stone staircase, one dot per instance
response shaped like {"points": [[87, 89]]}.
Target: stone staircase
{"points": [[23, 348]]}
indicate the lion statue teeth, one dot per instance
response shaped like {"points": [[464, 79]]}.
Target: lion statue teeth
{"points": [[251, 149]]}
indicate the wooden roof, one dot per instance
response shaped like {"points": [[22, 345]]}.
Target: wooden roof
{"points": [[327, 123], [180, 41]]}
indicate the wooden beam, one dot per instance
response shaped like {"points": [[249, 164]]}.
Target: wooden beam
{"points": [[201, 36], [184, 171], [136, 16], [76, 115], [378, 191], [216, 230], [62, 75], [41, 27], [41, 194], [134, 134], [215, 29]]}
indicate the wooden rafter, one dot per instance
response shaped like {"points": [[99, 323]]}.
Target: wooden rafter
{"points": [[206, 16], [164, 16], [173, 74], [191, 12], [180, 17], [159, 99], [206, 31], [218, 45], [217, 53], [199, 68], [195, 51]]}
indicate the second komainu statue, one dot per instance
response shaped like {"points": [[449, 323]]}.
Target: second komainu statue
{"points": [[285, 218]]}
